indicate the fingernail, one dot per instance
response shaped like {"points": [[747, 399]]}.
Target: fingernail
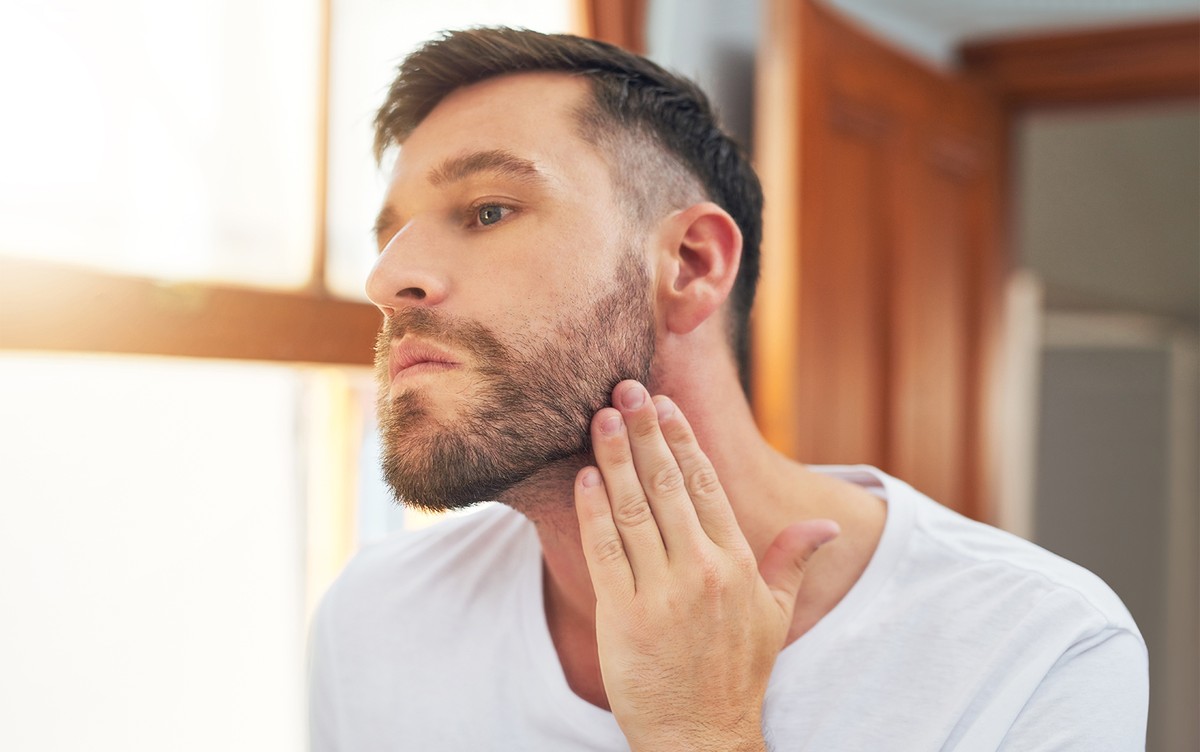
{"points": [[591, 478], [634, 397], [610, 425], [833, 531], [665, 408]]}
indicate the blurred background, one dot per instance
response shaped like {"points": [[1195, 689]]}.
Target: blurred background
{"points": [[981, 273]]}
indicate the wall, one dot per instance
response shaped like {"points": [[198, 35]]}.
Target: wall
{"points": [[1108, 214], [713, 42], [1107, 218]]}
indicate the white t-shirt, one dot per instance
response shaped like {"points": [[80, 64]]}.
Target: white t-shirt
{"points": [[957, 636]]}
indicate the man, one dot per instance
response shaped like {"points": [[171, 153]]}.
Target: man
{"points": [[568, 253]]}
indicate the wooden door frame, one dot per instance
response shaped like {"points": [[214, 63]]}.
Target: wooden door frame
{"points": [[1099, 67]]}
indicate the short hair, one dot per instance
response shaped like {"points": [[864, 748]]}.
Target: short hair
{"points": [[635, 102]]}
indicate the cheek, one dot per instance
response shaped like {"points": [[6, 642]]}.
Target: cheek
{"points": [[543, 315], [553, 268]]}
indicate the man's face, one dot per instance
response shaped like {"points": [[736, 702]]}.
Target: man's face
{"points": [[515, 297]]}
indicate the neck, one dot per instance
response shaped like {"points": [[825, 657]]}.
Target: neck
{"points": [[725, 430], [547, 499], [766, 491]]}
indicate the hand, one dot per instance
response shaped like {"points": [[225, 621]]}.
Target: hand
{"points": [[688, 625]]}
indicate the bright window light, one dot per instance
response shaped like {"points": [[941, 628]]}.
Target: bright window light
{"points": [[158, 551], [175, 140]]}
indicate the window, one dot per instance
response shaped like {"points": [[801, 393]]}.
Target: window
{"points": [[187, 410]]}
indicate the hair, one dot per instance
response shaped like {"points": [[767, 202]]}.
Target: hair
{"points": [[663, 138]]}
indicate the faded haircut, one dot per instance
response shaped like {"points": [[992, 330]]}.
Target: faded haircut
{"points": [[664, 143]]}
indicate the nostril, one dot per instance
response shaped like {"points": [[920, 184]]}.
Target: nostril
{"points": [[413, 292]]}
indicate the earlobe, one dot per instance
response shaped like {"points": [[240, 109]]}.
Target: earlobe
{"points": [[704, 248]]}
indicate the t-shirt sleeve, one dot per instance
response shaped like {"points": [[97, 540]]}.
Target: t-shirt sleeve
{"points": [[1094, 699]]}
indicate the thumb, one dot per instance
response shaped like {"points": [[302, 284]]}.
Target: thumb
{"points": [[783, 564]]}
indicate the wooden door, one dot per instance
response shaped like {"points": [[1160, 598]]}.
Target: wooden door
{"points": [[882, 256]]}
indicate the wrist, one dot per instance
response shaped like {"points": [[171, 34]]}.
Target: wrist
{"points": [[701, 740], [706, 744]]}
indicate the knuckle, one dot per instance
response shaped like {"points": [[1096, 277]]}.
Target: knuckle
{"points": [[632, 510], [677, 433], [703, 481], [745, 564], [609, 549], [712, 575], [618, 456], [666, 480], [644, 429]]}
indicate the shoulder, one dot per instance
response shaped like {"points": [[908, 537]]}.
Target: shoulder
{"points": [[1003, 568], [976, 631], [1067, 659]]}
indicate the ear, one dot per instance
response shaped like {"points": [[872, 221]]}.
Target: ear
{"points": [[702, 247]]}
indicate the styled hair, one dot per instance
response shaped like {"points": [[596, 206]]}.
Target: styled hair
{"points": [[659, 129]]}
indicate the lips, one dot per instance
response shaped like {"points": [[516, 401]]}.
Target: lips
{"points": [[413, 356]]}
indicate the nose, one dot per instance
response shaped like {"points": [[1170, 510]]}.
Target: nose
{"points": [[405, 275]]}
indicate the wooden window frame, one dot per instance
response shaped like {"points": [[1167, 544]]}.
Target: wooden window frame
{"points": [[52, 307], [46, 306]]}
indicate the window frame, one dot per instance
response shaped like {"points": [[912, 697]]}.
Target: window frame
{"points": [[54, 306]]}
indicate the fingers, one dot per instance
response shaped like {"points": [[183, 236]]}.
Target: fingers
{"points": [[603, 548], [783, 565], [629, 505], [707, 496], [656, 477]]}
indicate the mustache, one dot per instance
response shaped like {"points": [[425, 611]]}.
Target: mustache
{"points": [[464, 335]]}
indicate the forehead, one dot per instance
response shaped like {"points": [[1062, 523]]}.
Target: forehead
{"points": [[531, 115]]}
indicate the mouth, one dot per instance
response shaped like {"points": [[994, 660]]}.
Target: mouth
{"points": [[413, 357]]}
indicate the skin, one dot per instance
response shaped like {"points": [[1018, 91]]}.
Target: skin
{"points": [[684, 558]]}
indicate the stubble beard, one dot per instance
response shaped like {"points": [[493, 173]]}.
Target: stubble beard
{"points": [[530, 407]]}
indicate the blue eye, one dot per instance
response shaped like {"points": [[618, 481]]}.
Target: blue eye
{"points": [[490, 214]]}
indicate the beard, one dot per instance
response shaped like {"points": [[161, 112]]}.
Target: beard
{"points": [[531, 406]]}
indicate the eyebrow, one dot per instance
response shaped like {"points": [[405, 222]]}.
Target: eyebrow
{"points": [[455, 169], [496, 161]]}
